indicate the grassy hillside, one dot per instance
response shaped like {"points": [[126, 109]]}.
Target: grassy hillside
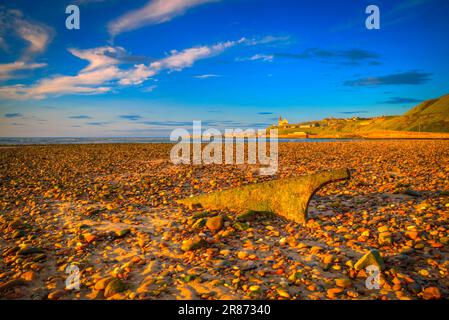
{"points": [[432, 115], [429, 116]]}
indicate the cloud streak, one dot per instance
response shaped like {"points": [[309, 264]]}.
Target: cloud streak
{"points": [[10, 70], [82, 116], [101, 57], [404, 78], [207, 76], [13, 115], [130, 117], [349, 56], [268, 40], [97, 57], [150, 88], [154, 12], [97, 123], [353, 112], [259, 56], [399, 100]]}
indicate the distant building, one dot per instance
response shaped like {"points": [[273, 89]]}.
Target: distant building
{"points": [[282, 123], [310, 125]]}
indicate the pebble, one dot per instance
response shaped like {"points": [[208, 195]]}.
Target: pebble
{"points": [[215, 223], [102, 283], [193, 244], [242, 254], [283, 293], [254, 288], [28, 276], [343, 283], [113, 287], [333, 292], [385, 238], [225, 252], [121, 233], [328, 258], [431, 293], [56, 295], [372, 257], [89, 238]]}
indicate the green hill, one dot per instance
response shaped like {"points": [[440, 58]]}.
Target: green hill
{"points": [[429, 116]]}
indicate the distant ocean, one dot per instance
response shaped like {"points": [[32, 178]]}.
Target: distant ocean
{"points": [[38, 141]]}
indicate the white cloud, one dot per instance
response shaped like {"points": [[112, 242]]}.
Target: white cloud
{"points": [[11, 92], [176, 61], [36, 35], [87, 83], [102, 74], [7, 70], [180, 60], [154, 12], [207, 76], [150, 88], [98, 57], [262, 57], [269, 39], [136, 75]]}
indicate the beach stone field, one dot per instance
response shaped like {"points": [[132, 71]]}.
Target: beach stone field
{"points": [[107, 215]]}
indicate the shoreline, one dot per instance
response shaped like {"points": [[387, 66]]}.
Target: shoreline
{"points": [[281, 137]]}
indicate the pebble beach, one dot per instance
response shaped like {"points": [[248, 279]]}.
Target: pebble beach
{"points": [[111, 211]]}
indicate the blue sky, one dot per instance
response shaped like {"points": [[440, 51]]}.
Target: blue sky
{"points": [[141, 68]]}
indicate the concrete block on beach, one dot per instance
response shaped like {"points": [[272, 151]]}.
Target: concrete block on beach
{"points": [[286, 197]]}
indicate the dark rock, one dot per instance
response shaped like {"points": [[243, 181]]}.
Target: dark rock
{"points": [[29, 250], [412, 193], [115, 286]]}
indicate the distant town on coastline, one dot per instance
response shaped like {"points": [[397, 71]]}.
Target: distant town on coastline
{"points": [[428, 119]]}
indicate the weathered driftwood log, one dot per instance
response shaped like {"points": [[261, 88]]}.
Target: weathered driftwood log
{"points": [[287, 197]]}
